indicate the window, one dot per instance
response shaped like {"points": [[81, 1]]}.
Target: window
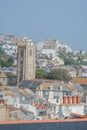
{"points": [[45, 94], [67, 93], [1, 96], [57, 100], [3, 79], [23, 98], [15, 99], [48, 88], [30, 52], [58, 88], [22, 52]]}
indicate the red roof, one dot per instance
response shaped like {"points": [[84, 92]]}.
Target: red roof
{"points": [[80, 80]]}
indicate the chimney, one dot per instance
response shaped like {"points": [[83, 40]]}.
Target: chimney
{"points": [[69, 100], [64, 100], [74, 100], [78, 99]]}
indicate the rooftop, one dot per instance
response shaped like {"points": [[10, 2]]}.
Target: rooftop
{"points": [[7, 74], [80, 80]]}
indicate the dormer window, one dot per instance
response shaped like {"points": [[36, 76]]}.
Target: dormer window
{"points": [[48, 88]]}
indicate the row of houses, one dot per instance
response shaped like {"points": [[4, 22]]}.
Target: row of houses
{"points": [[40, 86], [43, 98], [53, 91]]}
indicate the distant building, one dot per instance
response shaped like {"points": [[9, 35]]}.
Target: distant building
{"points": [[51, 52], [82, 81], [55, 91], [51, 91], [26, 60], [8, 78]]}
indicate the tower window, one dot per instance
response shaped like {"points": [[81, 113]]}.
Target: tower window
{"points": [[22, 52], [30, 52]]}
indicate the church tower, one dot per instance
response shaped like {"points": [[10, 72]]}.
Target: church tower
{"points": [[26, 60]]}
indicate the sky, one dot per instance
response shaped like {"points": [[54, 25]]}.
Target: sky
{"points": [[64, 20]]}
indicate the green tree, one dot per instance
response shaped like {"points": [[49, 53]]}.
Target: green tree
{"points": [[2, 51], [1, 63], [60, 74], [69, 61], [40, 73], [3, 58], [9, 62]]}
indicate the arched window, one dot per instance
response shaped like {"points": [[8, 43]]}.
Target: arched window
{"points": [[22, 52]]}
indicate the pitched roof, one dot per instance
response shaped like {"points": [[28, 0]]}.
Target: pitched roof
{"points": [[78, 87], [2, 75], [4, 87], [70, 87], [26, 92], [9, 92], [30, 84], [80, 80], [7, 74]]}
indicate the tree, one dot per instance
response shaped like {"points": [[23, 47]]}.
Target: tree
{"points": [[69, 61], [9, 62], [2, 52], [60, 74], [1, 63], [3, 58], [40, 73]]}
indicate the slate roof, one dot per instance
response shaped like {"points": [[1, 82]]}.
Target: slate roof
{"points": [[66, 89], [34, 84], [30, 84], [78, 87]]}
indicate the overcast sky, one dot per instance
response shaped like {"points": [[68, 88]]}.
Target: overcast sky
{"points": [[64, 20]]}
